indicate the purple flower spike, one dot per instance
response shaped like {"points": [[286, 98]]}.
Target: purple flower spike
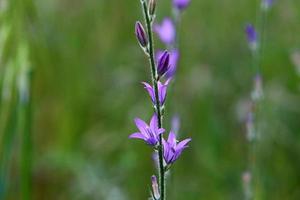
{"points": [[141, 34], [174, 57], [181, 4], [172, 150], [166, 31], [162, 91], [163, 63], [251, 36], [150, 134]]}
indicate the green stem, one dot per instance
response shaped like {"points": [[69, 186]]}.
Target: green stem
{"points": [[26, 116], [157, 106], [257, 62]]}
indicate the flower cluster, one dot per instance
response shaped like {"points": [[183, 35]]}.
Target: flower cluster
{"points": [[166, 32], [163, 66]]}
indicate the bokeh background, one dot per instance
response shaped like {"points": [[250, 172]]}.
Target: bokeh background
{"points": [[85, 67]]}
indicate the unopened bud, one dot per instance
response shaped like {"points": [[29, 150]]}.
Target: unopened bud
{"points": [[141, 34], [155, 190], [251, 36], [163, 63], [152, 7]]}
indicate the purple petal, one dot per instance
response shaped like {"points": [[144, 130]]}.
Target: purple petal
{"points": [[172, 139], [141, 125], [154, 123], [183, 143], [152, 141], [160, 131], [166, 149], [162, 89], [137, 136], [174, 57], [150, 91]]}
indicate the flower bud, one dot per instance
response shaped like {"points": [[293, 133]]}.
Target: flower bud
{"points": [[163, 63], [155, 190], [152, 7], [251, 36], [181, 4], [141, 34]]}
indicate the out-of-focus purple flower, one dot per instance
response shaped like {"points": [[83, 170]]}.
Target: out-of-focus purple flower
{"points": [[148, 133], [155, 190], [251, 36], [163, 63], [257, 93], [166, 31], [162, 91], [250, 127], [172, 150], [141, 34], [266, 4], [181, 4], [174, 57], [175, 124]]}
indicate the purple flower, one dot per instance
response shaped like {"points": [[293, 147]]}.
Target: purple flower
{"points": [[166, 31], [266, 4], [150, 134], [141, 34], [175, 124], [163, 63], [172, 150], [162, 91], [181, 4], [174, 57], [251, 35]]}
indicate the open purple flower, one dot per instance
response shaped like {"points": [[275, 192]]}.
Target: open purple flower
{"points": [[166, 31], [172, 150], [174, 57], [181, 4], [162, 91], [148, 133]]}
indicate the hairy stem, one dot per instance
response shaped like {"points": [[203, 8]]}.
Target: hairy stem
{"points": [[158, 107]]}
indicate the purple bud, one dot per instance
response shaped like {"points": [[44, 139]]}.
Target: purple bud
{"points": [[155, 190], [181, 4], [141, 34], [251, 36], [163, 63], [174, 57]]}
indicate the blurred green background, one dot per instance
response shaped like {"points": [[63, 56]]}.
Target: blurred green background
{"points": [[86, 69]]}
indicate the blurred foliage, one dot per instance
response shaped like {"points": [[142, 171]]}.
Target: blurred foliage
{"points": [[86, 92]]}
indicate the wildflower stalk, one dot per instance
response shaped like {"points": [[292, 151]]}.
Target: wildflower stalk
{"points": [[158, 108], [257, 99]]}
